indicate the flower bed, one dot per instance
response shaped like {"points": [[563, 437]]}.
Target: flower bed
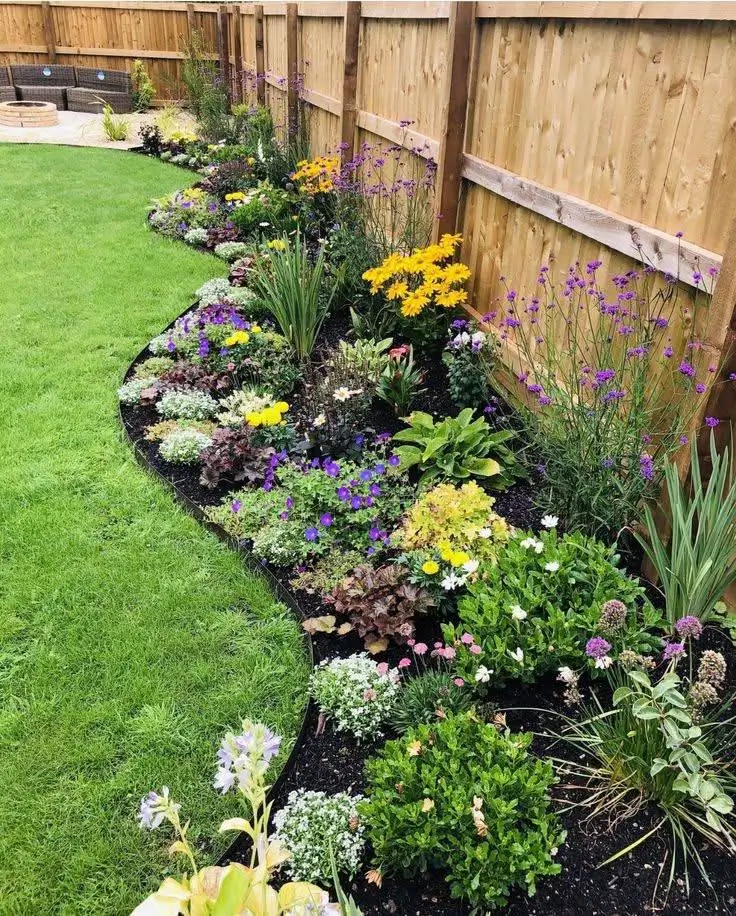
{"points": [[351, 433]]}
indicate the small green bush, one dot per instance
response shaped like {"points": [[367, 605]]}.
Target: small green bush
{"points": [[428, 697], [461, 797]]}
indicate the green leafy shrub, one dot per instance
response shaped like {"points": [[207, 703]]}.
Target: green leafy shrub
{"points": [[380, 603], [327, 571], [400, 383], [468, 356], [130, 393], [260, 211], [143, 89], [697, 565], [367, 357], [154, 366], [461, 797], [429, 696], [354, 694], [115, 128], [457, 448], [538, 607], [312, 824]]}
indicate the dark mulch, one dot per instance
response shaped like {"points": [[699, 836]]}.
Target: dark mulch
{"points": [[333, 762]]}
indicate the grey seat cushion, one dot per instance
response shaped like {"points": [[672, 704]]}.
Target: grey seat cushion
{"points": [[42, 75], [54, 94], [7, 94]]}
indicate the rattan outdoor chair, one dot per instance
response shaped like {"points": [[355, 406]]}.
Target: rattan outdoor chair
{"points": [[7, 90], [96, 88], [43, 82]]}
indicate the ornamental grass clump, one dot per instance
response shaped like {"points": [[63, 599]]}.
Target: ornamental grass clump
{"points": [[615, 388], [356, 694], [311, 826], [461, 797], [292, 289], [697, 565]]}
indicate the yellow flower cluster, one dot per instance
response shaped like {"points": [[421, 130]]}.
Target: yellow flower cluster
{"points": [[235, 195], [269, 416], [317, 176], [193, 194], [276, 245], [422, 278]]}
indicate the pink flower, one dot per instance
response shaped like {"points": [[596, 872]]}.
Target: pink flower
{"points": [[449, 652], [410, 642], [458, 682], [467, 639], [438, 645], [369, 694], [404, 663], [382, 669], [420, 648], [476, 650]]}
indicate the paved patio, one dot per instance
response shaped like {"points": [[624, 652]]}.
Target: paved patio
{"points": [[77, 128]]}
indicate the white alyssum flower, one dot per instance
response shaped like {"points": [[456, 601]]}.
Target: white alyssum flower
{"points": [[310, 824], [483, 674], [517, 655], [531, 543], [566, 675], [549, 521], [471, 566], [552, 566], [518, 612]]}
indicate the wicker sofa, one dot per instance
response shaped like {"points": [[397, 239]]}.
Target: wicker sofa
{"points": [[96, 88], [7, 90], [42, 82]]}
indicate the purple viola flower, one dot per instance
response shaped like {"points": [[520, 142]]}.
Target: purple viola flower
{"points": [[379, 469], [459, 324], [289, 502], [365, 475], [359, 440], [689, 626], [343, 494], [356, 503], [597, 647], [236, 505], [394, 461], [374, 489], [332, 469], [311, 534], [382, 437], [326, 519], [374, 534], [673, 650], [284, 516], [170, 345], [368, 502], [204, 346]]}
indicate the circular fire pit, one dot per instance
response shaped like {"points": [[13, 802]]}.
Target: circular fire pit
{"points": [[28, 114]]}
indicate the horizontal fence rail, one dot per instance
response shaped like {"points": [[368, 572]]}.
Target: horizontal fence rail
{"points": [[561, 131]]}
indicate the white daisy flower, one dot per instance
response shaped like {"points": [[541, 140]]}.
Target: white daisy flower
{"points": [[483, 675], [549, 521], [552, 566], [517, 655], [471, 566], [485, 533]]}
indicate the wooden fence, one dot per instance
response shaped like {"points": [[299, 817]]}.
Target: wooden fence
{"points": [[562, 131]]}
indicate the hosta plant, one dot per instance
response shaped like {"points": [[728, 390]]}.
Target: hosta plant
{"points": [[456, 448], [380, 603], [459, 796]]}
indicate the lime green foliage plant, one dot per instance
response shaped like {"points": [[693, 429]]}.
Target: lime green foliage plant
{"points": [[541, 604], [115, 128], [457, 448], [697, 565], [291, 288], [655, 746], [461, 797], [143, 89]]}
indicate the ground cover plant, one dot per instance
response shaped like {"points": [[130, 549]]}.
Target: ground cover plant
{"points": [[459, 587], [129, 636]]}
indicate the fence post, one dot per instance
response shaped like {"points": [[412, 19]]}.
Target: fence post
{"points": [[452, 139], [190, 21], [48, 31], [349, 110], [223, 49], [238, 52], [292, 68], [260, 54]]}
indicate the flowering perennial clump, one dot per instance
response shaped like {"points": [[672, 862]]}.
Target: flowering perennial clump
{"points": [[184, 446], [354, 694], [187, 405], [422, 278], [317, 176]]}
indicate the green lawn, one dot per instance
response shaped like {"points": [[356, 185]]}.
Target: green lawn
{"points": [[130, 638]]}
